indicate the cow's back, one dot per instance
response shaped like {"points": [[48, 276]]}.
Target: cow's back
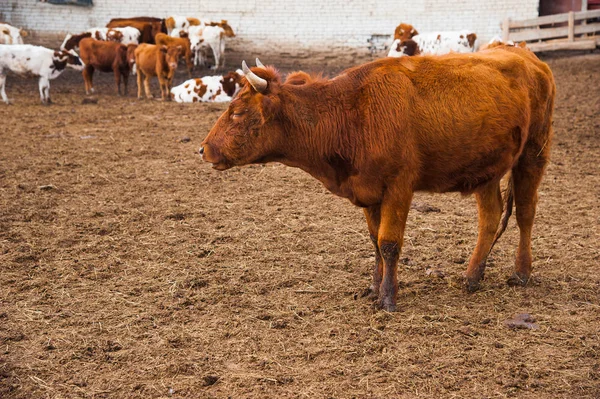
{"points": [[102, 54], [446, 116], [23, 59], [146, 58]]}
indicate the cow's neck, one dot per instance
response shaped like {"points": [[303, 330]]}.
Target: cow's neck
{"points": [[318, 143]]}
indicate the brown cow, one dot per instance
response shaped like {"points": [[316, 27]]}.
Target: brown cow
{"points": [[404, 32], [163, 39], [159, 61], [148, 26], [106, 57], [383, 130]]}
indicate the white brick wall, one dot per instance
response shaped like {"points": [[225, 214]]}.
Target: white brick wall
{"points": [[284, 25]]}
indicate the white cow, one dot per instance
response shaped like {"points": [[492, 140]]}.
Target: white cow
{"points": [[435, 43], [27, 60], [11, 35], [209, 35], [208, 89]]}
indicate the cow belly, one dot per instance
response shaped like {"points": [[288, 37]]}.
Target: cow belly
{"points": [[465, 171]]}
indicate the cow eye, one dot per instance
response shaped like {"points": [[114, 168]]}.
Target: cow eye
{"points": [[238, 113]]}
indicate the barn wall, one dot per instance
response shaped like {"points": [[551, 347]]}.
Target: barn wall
{"points": [[282, 26]]}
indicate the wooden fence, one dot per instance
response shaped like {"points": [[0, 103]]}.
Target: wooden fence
{"points": [[568, 31]]}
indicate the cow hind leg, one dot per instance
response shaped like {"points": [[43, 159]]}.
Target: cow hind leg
{"points": [[527, 176], [88, 76], [118, 81], [139, 83], [373, 216], [489, 208]]}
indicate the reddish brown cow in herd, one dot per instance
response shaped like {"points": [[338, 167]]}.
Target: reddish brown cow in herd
{"points": [[106, 57], [148, 26], [378, 132], [163, 39], [160, 61]]}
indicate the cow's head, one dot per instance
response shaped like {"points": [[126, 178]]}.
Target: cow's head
{"points": [[250, 131], [408, 47], [67, 58], [195, 36], [172, 55], [131, 55], [227, 28], [114, 35], [405, 32], [231, 83]]}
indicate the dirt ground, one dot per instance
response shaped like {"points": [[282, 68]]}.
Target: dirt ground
{"points": [[130, 269]]}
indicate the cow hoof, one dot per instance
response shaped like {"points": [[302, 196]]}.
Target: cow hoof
{"points": [[387, 304], [517, 279], [472, 285], [370, 293]]}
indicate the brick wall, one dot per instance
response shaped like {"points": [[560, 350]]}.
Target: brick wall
{"points": [[284, 27]]}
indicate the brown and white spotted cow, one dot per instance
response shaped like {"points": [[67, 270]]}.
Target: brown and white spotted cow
{"points": [[208, 89]]}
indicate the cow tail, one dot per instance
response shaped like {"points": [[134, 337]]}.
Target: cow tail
{"points": [[509, 198]]}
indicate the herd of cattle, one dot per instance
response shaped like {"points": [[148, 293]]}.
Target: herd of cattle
{"points": [[152, 47], [146, 46]]}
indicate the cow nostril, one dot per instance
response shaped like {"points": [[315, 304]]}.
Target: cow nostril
{"points": [[201, 151]]}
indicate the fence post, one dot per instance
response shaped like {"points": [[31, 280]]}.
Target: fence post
{"points": [[505, 29], [571, 26], [584, 7]]}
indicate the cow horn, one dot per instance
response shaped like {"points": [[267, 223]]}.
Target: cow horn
{"points": [[259, 84], [259, 64]]}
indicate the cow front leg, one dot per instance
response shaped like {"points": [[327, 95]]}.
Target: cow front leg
{"points": [[373, 216], [3, 89], [117, 74], [125, 82], [44, 86], [394, 212], [489, 208]]}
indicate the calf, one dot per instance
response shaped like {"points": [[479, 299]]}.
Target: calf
{"points": [[208, 89], [404, 32], [163, 39], [212, 35], [106, 57], [27, 60], [159, 61], [436, 43], [11, 35]]}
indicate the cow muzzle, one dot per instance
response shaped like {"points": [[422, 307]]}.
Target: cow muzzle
{"points": [[209, 155]]}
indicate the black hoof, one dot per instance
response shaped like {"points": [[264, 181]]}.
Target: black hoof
{"points": [[517, 279]]}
